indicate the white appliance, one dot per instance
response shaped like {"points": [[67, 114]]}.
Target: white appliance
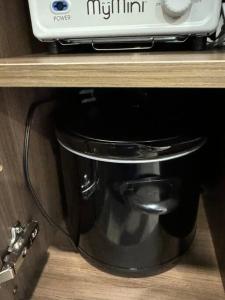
{"points": [[88, 21]]}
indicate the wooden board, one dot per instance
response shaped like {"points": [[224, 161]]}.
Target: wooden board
{"points": [[16, 36], [166, 69], [15, 201], [215, 204], [67, 276]]}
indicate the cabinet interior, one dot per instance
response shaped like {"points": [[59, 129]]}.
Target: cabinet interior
{"points": [[16, 39]]}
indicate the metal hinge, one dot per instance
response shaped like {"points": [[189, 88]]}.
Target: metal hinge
{"points": [[22, 238]]}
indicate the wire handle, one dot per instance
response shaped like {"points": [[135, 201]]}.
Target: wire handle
{"points": [[130, 48]]}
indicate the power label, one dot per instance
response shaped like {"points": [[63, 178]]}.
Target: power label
{"points": [[62, 18]]}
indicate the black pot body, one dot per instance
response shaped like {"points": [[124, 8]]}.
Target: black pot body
{"points": [[131, 219]]}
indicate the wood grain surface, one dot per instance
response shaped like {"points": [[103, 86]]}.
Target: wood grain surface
{"points": [[16, 36], [165, 69], [215, 208], [15, 201], [67, 276]]}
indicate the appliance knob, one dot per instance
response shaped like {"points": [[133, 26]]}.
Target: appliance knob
{"points": [[176, 8]]}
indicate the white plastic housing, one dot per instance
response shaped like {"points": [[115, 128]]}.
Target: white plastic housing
{"points": [[87, 19]]}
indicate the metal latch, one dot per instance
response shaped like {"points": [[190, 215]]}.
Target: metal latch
{"points": [[22, 238]]}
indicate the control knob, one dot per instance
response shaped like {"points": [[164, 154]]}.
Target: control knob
{"points": [[176, 8]]}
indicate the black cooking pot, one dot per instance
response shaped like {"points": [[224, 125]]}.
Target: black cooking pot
{"points": [[131, 182]]}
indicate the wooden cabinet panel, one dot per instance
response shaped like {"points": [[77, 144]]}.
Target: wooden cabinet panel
{"points": [[215, 207], [16, 201]]}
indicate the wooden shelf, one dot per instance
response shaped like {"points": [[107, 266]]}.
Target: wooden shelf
{"points": [[165, 69], [67, 276]]}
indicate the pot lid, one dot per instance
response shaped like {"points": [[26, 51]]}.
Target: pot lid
{"points": [[128, 127]]}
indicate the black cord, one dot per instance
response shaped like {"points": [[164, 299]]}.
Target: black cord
{"points": [[30, 187]]}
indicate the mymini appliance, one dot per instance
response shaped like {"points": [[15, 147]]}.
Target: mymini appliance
{"points": [[94, 21]]}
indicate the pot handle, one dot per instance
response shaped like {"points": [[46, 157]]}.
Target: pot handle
{"points": [[162, 208], [166, 206]]}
